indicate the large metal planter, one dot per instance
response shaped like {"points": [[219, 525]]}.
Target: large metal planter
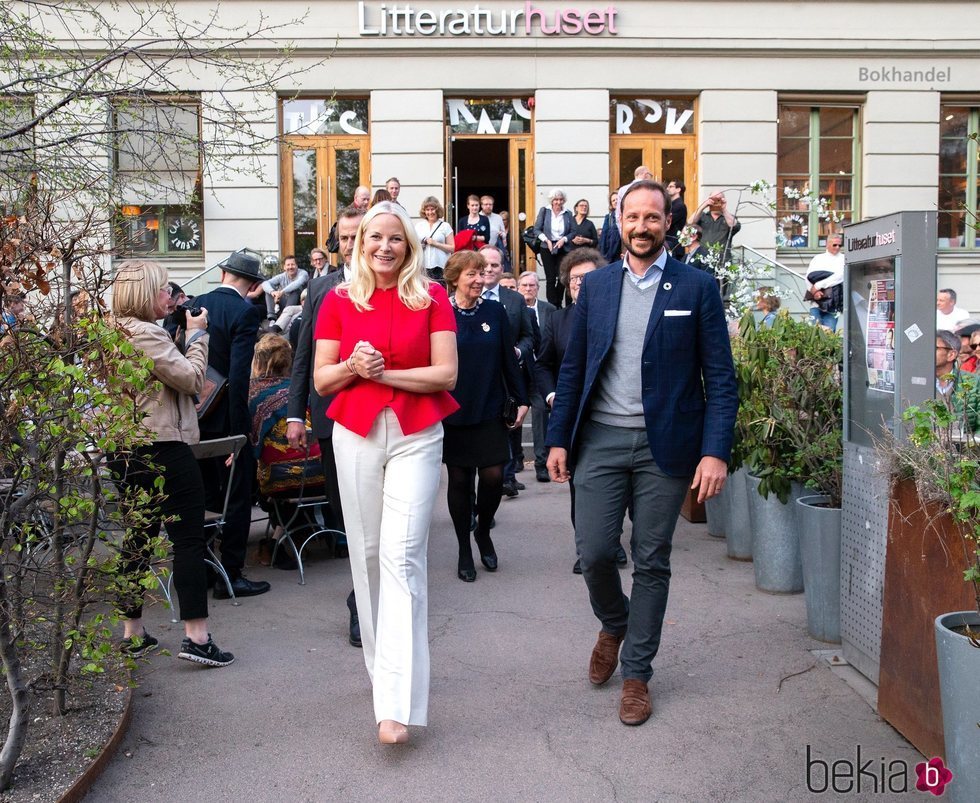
{"points": [[820, 530], [959, 688], [775, 541], [738, 530], [716, 511]]}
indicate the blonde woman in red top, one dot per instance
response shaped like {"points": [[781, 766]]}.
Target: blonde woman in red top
{"points": [[386, 346]]}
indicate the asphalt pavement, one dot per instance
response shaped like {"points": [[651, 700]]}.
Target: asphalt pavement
{"points": [[739, 697]]}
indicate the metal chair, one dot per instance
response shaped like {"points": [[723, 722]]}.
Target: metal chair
{"points": [[213, 520], [292, 524]]}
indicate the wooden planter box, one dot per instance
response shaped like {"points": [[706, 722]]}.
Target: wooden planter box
{"points": [[924, 565]]}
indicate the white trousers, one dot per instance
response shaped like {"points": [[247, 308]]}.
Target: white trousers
{"points": [[388, 486]]}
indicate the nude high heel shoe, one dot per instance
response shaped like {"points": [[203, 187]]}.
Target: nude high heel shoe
{"points": [[391, 732]]}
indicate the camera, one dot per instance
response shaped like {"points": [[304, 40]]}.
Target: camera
{"points": [[181, 312]]}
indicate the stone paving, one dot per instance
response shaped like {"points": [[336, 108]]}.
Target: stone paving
{"points": [[739, 697]]}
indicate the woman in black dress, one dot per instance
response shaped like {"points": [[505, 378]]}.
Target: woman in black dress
{"points": [[475, 440], [584, 234], [475, 221]]}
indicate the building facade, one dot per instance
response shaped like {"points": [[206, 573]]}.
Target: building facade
{"points": [[868, 105]]}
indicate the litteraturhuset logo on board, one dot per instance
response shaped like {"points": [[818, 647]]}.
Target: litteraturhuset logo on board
{"points": [[404, 19], [860, 775]]}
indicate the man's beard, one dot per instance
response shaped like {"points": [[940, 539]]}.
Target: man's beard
{"points": [[654, 249]]}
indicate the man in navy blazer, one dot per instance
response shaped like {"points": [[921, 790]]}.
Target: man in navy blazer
{"points": [[233, 324], [303, 394], [646, 400]]}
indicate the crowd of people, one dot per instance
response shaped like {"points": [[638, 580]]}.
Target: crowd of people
{"points": [[420, 348]]}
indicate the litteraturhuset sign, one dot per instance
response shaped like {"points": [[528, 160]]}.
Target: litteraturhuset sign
{"points": [[404, 19]]}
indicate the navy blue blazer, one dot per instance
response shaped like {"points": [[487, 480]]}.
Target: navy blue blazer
{"points": [[554, 341], [233, 324], [690, 396], [301, 390]]}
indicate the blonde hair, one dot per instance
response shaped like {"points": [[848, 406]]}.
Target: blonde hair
{"points": [[135, 288], [413, 284], [273, 357]]}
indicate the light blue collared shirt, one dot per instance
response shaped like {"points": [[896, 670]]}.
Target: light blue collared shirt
{"points": [[652, 275]]}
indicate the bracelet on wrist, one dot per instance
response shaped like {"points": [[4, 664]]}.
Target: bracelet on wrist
{"points": [[350, 365]]}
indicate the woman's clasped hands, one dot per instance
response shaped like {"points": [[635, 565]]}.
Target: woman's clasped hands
{"points": [[366, 361]]}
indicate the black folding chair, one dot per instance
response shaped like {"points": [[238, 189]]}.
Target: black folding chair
{"points": [[290, 511]]}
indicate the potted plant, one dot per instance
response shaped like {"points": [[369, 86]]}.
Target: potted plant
{"points": [[774, 469], [942, 457], [738, 527], [810, 415]]}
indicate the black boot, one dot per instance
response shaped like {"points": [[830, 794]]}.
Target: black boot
{"points": [[354, 636]]}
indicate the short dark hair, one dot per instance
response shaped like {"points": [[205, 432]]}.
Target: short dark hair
{"points": [[579, 257], [679, 184], [953, 342], [645, 184], [951, 292], [349, 213], [288, 257]]}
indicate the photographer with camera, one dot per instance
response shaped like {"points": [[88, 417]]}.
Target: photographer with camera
{"points": [[234, 328], [178, 298], [140, 297]]}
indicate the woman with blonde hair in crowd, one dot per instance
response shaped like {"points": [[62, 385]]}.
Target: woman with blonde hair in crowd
{"points": [[386, 347], [553, 228], [139, 298], [436, 236]]}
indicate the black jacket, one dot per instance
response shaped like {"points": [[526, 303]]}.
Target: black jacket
{"points": [[301, 390], [233, 324]]}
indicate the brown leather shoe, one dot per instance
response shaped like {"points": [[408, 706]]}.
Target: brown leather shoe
{"points": [[605, 658], [634, 708]]}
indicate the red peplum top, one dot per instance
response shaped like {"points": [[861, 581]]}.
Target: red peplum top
{"points": [[402, 337]]}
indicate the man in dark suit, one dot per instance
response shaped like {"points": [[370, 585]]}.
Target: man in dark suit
{"points": [[233, 324], [303, 394], [524, 337], [554, 341], [646, 400], [528, 286], [678, 215]]}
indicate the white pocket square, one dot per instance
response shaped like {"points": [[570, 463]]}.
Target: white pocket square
{"points": [[673, 313]]}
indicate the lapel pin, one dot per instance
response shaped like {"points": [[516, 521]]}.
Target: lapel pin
{"points": [[667, 285], [486, 327]]}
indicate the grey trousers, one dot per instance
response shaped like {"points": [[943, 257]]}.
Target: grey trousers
{"points": [[610, 462], [539, 426]]}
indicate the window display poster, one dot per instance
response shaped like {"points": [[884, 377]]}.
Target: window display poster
{"points": [[880, 349]]}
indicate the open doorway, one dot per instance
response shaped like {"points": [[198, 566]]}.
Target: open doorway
{"points": [[501, 167], [480, 167]]}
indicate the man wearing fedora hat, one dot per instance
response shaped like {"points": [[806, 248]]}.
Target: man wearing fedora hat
{"points": [[233, 324]]}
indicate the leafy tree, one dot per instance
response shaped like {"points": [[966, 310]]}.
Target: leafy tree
{"points": [[99, 103]]}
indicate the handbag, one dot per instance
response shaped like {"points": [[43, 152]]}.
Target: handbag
{"points": [[208, 399], [531, 239], [509, 414]]}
